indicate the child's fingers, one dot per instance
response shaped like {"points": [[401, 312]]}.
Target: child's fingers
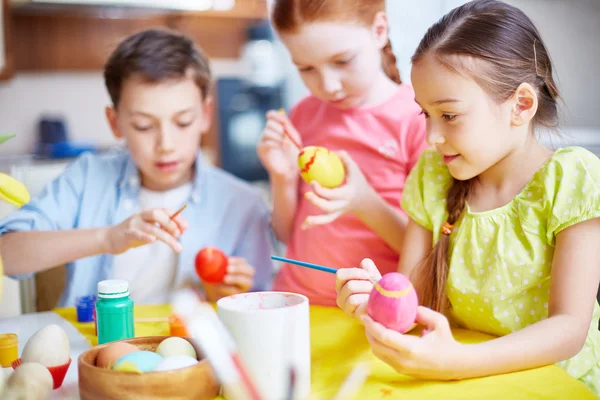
{"points": [[339, 193], [161, 217], [223, 290], [286, 124], [180, 220], [274, 128], [356, 291], [140, 237], [324, 219], [343, 275], [276, 116], [271, 138], [328, 206], [162, 235], [353, 305], [240, 266], [243, 282], [349, 163], [368, 265], [389, 338]]}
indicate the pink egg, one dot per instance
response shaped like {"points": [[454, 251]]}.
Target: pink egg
{"points": [[393, 302]]}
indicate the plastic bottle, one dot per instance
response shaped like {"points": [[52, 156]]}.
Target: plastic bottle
{"points": [[114, 311], [85, 308]]}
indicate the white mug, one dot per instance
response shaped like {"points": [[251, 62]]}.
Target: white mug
{"points": [[272, 333]]}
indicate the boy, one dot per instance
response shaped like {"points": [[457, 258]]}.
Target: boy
{"points": [[109, 216]]}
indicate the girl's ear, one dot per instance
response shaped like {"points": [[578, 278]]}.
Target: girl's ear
{"points": [[525, 105], [380, 29]]}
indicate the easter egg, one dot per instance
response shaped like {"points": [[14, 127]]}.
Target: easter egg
{"points": [[31, 381], [49, 346], [211, 265], [321, 165], [175, 362], [127, 366], [393, 302], [144, 361], [176, 346], [109, 355], [12, 191]]}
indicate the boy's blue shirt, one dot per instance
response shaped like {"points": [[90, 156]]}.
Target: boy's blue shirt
{"points": [[102, 190]]}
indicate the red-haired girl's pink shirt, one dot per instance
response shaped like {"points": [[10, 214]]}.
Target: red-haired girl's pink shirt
{"points": [[385, 141]]}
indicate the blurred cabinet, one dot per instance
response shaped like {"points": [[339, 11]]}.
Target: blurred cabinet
{"points": [[6, 64], [63, 38]]}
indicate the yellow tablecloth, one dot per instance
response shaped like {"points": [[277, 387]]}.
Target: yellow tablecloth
{"points": [[338, 343]]}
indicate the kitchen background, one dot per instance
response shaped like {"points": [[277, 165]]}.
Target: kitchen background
{"points": [[52, 94]]}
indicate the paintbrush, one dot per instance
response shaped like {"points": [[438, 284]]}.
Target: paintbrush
{"points": [[209, 333], [287, 134], [353, 382], [312, 266], [178, 211]]}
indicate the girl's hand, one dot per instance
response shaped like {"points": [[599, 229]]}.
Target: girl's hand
{"points": [[239, 279], [144, 228], [277, 153], [431, 356], [348, 198], [353, 286]]}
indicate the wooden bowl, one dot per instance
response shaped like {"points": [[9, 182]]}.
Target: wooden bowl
{"points": [[196, 382]]}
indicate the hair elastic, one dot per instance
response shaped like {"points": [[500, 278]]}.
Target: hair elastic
{"points": [[447, 228]]}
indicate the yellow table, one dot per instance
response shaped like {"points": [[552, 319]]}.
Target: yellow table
{"points": [[338, 343]]}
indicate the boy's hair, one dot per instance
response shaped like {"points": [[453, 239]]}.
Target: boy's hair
{"points": [[499, 47], [155, 55], [289, 15]]}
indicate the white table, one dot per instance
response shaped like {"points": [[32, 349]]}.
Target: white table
{"points": [[27, 325]]}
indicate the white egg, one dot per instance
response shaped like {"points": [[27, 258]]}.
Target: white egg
{"points": [[175, 362], [176, 346], [49, 346], [30, 381]]}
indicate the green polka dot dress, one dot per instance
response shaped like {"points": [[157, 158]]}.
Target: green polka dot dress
{"points": [[500, 260]]}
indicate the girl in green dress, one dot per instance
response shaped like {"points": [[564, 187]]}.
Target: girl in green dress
{"points": [[504, 234]]}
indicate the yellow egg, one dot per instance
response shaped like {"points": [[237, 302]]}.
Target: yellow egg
{"points": [[321, 165], [12, 191]]}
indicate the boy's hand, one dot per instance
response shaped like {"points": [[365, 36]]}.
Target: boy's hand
{"points": [[348, 198], [277, 153], [239, 279], [144, 228]]}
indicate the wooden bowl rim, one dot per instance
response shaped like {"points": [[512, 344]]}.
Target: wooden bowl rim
{"points": [[82, 363]]}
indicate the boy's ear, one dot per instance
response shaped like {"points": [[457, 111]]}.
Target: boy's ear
{"points": [[208, 111], [111, 117]]}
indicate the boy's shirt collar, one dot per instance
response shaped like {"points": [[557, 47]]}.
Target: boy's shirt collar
{"points": [[131, 180]]}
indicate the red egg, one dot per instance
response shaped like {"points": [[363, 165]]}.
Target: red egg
{"points": [[393, 302], [211, 265]]}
